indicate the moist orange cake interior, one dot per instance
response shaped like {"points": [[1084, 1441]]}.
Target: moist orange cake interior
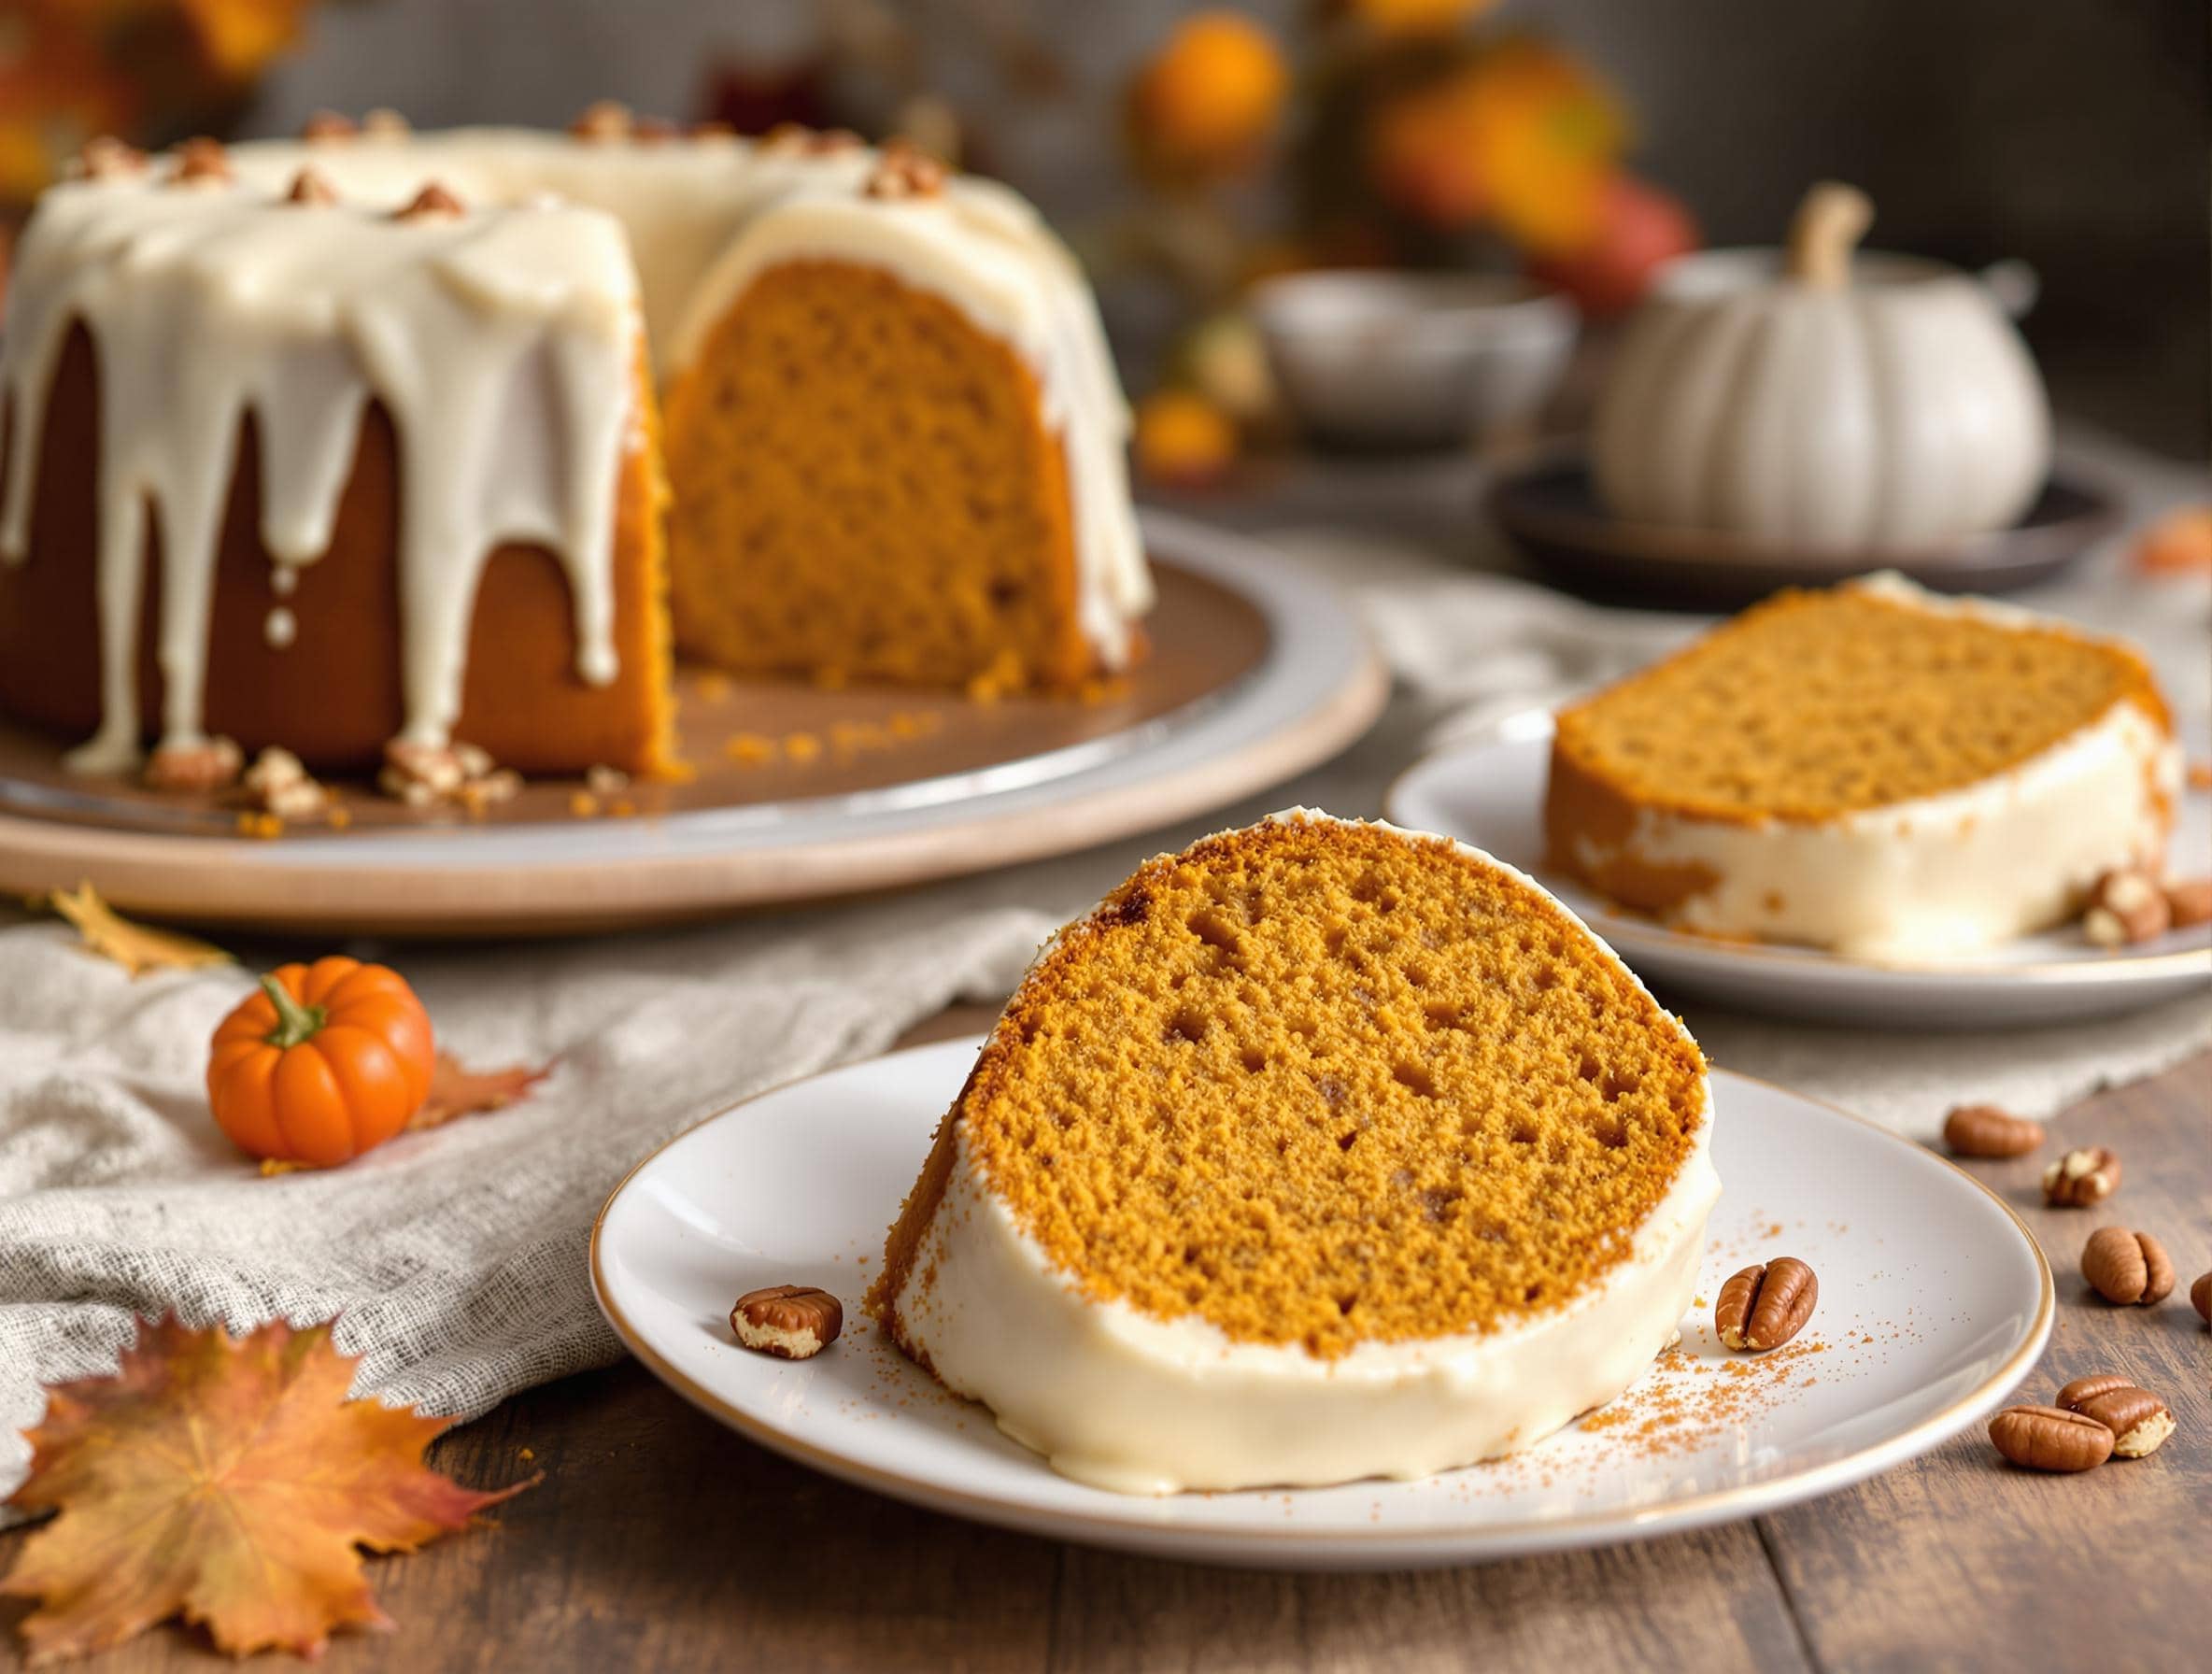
{"points": [[863, 487], [1324, 1084], [1814, 704]]}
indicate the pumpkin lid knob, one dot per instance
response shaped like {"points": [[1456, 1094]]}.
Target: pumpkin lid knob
{"points": [[1830, 222]]}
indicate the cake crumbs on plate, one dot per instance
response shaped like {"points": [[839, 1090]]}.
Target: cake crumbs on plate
{"points": [[914, 723], [749, 749]]}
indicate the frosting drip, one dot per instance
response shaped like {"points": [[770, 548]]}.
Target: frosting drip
{"points": [[501, 342]]}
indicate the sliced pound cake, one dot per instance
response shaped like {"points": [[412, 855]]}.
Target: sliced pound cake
{"points": [[1318, 1151], [1870, 769]]}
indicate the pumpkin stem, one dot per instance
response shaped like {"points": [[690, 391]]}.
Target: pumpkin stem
{"points": [[295, 1022], [1829, 224]]}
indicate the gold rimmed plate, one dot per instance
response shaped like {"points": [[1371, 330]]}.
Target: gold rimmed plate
{"points": [[797, 1186], [1489, 790]]}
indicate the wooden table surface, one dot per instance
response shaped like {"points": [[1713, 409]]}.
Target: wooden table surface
{"points": [[660, 1539]]}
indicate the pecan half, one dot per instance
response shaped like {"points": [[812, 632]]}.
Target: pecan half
{"points": [[2138, 1420], [2050, 1438], [1984, 1130], [796, 139], [199, 160], [905, 171], [2189, 902], [205, 764], [106, 158], [432, 203], [311, 186], [2127, 1268], [1764, 1307], [2126, 906], [792, 1322], [279, 784], [605, 120], [2081, 1177]]}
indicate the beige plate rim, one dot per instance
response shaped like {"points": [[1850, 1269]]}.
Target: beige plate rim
{"points": [[1320, 686], [1699, 1510]]}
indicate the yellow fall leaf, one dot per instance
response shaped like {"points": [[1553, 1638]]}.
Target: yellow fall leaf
{"points": [[136, 947]]}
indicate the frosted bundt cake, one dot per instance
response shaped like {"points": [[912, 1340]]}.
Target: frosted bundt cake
{"points": [[1869, 769], [1317, 1151], [331, 443]]}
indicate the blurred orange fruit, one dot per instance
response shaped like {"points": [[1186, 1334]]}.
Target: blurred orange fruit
{"points": [[2178, 544], [1184, 438], [1207, 100], [1522, 136], [1401, 18], [1639, 228], [241, 37]]}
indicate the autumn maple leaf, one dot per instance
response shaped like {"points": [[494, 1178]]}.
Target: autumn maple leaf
{"points": [[227, 1482], [136, 947], [456, 1090]]}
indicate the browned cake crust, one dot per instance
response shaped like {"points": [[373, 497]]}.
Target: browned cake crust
{"points": [[332, 695]]}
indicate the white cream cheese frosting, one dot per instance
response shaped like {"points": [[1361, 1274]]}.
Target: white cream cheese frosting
{"points": [[1937, 877], [501, 342], [1141, 1404]]}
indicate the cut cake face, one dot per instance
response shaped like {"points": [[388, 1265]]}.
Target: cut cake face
{"points": [[1311, 1114], [1871, 769]]}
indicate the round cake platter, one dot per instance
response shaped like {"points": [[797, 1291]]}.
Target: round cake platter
{"points": [[1489, 791], [798, 1185], [1256, 672]]}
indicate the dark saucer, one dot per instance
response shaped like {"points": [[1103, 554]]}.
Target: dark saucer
{"points": [[1553, 515]]}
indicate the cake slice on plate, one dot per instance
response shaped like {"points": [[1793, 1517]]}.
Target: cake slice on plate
{"points": [[1872, 770], [1318, 1151]]}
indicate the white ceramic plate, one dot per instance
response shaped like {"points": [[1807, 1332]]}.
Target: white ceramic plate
{"points": [[1490, 792], [1934, 1301]]}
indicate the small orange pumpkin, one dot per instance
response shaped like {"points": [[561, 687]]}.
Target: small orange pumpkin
{"points": [[327, 1061]]}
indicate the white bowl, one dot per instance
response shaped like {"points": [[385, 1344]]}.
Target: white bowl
{"points": [[1413, 360]]}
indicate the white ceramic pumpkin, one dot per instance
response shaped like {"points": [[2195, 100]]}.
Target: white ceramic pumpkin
{"points": [[1814, 399]]}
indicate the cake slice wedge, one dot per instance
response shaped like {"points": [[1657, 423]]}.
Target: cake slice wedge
{"points": [[1319, 1151], [1872, 770]]}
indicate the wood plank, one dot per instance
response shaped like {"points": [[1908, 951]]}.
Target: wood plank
{"points": [[1961, 1559], [1707, 1600], [660, 1539]]}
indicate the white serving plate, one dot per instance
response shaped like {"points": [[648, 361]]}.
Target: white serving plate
{"points": [[1317, 685], [1934, 1301], [1489, 791]]}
